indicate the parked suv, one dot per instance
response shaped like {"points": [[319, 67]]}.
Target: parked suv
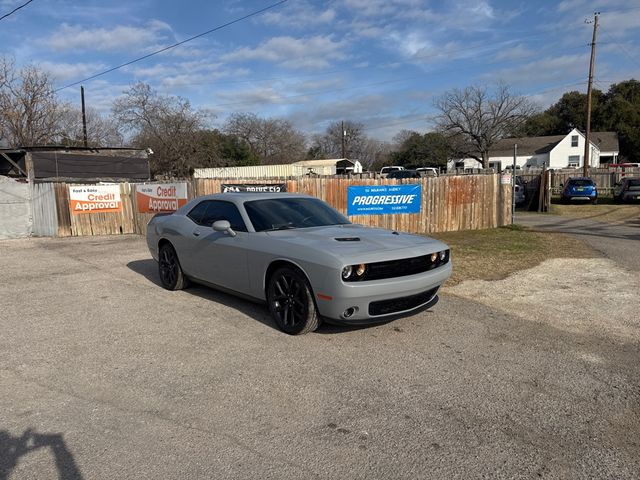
{"points": [[391, 168], [581, 188], [627, 190], [520, 190], [404, 174]]}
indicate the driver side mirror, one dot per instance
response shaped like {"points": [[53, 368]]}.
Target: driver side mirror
{"points": [[223, 226]]}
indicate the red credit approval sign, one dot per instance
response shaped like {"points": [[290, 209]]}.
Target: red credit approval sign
{"points": [[94, 199], [160, 197]]}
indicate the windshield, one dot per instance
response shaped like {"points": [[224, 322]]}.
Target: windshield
{"points": [[285, 213]]}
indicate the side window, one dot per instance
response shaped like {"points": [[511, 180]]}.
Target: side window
{"points": [[221, 210], [197, 213], [574, 140]]}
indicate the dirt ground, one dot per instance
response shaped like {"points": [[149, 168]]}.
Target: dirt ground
{"points": [[106, 375]]}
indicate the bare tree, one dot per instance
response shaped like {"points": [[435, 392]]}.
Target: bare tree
{"points": [[476, 118], [102, 131], [329, 145], [271, 140], [28, 106], [166, 124]]}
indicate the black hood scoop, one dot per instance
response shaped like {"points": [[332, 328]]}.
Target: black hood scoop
{"points": [[347, 239]]}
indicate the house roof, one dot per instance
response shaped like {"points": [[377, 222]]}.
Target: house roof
{"points": [[605, 141]]}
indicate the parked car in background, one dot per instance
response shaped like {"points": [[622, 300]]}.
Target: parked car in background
{"points": [[520, 190], [428, 171], [627, 190], [384, 171], [404, 174], [580, 188], [303, 258]]}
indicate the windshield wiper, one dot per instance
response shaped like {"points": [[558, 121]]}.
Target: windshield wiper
{"points": [[284, 226]]}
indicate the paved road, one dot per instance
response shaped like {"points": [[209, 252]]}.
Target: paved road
{"points": [[617, 241], [105, 375]]}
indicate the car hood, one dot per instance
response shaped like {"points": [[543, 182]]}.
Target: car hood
{"points": [[359, 243]]}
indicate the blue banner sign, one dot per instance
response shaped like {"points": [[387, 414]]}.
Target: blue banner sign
{"points": [[383, 199]]}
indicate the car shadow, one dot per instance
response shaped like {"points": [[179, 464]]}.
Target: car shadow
{"points": [[258, 311]]}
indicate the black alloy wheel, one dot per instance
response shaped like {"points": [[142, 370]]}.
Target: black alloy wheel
{"points": [[171, 275], [291, 302]]}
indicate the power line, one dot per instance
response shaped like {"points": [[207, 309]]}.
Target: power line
{"points": [[624, 50], [15, 10], [252, 14]]}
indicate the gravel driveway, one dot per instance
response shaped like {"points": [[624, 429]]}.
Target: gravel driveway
{"points": [[105, 375]]}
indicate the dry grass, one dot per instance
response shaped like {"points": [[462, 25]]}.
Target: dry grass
{"points": [[496, 253], [603, 212]]}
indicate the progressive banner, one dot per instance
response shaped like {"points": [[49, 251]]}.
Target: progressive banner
{"points": [[160, 197], [94, 199], [383, 199]]}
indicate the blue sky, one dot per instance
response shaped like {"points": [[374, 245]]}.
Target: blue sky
{"points": [[378, 62]]}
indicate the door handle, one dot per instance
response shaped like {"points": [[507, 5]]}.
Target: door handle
{"points": [[196, 233]]}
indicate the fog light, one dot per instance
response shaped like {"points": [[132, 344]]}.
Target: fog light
{"points": [[349, 312], [347, 271]]}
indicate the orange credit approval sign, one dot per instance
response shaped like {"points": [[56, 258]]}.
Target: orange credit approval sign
{"points": [[160, 197], [94, 199]]}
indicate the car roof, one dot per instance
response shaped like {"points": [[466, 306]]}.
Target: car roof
{"points": [[238, 198]]}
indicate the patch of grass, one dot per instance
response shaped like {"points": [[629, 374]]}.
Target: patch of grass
{"points": [[603, 212], [496, 253]]}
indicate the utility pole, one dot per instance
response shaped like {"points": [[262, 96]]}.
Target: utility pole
{"points": [[84, 119], [513, 183], [344, 134], [589, 87]]}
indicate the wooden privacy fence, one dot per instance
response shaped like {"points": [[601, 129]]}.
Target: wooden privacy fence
{"points": [[448, 203], [605, 178]]}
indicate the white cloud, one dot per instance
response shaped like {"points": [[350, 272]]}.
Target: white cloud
{"points": [[543, 70], [121, 37], [518, 52], [299, 15], [312, 53], [62, 72]]}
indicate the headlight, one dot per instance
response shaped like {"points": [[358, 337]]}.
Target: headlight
{"points": [[354, 272], [434, 257], [347, 271], [443, 255]]}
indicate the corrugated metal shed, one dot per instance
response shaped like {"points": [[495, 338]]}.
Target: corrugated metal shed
{"points": [[297, 169]]}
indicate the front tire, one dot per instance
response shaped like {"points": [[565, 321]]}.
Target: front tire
{"points": [[594, 201], [171, 275], [291, 303]]}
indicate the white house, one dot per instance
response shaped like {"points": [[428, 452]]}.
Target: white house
{"points": [[554, 151]]}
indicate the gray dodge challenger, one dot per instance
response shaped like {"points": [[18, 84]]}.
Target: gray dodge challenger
{"points": [[305, 259]]}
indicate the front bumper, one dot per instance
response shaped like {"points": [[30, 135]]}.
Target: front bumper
{"points": [[380, 300]]}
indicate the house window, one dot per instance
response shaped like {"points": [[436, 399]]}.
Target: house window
{"points": [[574, 140], [574, 161]]}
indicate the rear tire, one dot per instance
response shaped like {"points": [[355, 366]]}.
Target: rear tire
{"points": [[171, 275], [290, 300]]}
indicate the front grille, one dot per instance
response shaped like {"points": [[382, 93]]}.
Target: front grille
{"points": [[400, 268], [385, 307]]}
